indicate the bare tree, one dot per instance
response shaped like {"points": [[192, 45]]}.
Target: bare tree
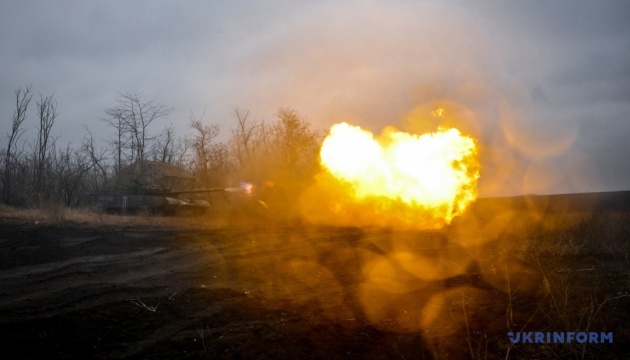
{"points": [[97, 157], [70, 169], [119, 142], [45, 143], [243, 135], [131, 118], [163, 148], [202, 144], [294, 144], [280, 158], [23, 98], [181, 147], [249, 140], [220, 167]]}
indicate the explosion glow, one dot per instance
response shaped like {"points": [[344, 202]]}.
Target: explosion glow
{"points": [[428, 178]]}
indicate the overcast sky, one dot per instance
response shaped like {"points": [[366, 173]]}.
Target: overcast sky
{"points": [[544, 86]]}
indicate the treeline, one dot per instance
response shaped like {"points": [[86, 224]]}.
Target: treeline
{"points": [[34, 171]]}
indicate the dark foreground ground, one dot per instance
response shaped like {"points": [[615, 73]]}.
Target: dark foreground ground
{"points": [[101, 290]]}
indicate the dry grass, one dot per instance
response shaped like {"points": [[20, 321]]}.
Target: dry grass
{"points": [[50, 215], [583, 260]]}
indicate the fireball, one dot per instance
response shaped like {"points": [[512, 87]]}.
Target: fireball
{"points": [[423, 179]]}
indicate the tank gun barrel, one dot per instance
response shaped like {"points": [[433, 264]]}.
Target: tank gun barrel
{"points": [[196, 191]]}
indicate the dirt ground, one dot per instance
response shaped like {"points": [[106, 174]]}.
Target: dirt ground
{"points": [[77, 290]]}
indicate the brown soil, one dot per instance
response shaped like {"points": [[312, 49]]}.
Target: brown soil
{"points": [[151, 292]]}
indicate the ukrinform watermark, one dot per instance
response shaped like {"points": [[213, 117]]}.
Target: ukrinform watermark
{"points": [[563, 337]]}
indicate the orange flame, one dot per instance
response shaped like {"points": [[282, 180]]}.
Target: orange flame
{"points": [[425, 179]]}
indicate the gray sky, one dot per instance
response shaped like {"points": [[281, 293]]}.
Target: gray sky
{"points": [[544, 86]]}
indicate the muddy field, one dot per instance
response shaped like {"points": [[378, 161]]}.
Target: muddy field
{"points": [[166, 289]]}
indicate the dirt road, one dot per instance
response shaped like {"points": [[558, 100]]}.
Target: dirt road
{"points": [[146, 293]]}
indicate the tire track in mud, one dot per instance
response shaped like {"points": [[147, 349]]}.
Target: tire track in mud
{"points": [[82, 275]]}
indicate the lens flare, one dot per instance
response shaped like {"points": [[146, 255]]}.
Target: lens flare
{"points": [[428, 179]]}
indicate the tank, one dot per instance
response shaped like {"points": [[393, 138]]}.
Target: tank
{"points": [[154, 187]]}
